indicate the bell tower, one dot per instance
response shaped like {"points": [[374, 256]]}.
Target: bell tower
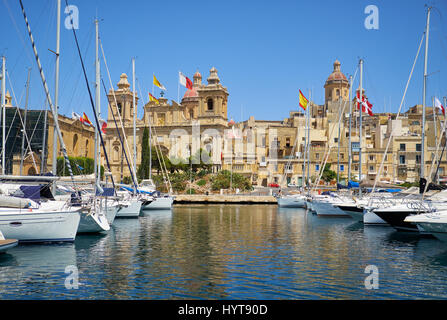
{"points": [[213, 99], [337, 85], [123, 103]]}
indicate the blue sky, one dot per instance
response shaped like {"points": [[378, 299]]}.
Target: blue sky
{"points": [[264, 51]]}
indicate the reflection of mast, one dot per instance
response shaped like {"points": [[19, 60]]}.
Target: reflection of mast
{"points": [[3, 113]]}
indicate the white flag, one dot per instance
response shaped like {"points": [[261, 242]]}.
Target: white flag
{"points": [[439, 105]]}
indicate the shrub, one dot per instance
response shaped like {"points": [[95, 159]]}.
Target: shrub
{"points": [[201, 182]]}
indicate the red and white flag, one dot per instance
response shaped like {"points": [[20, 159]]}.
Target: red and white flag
{"points": [[439, 105], [366, 105], [184, 80], [103, 126]]}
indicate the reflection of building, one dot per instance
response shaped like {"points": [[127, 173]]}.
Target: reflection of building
{"points": [[263, 150]]}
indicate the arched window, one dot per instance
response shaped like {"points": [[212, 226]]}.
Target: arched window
{"points": [[86, 148], [210, 104], [31, 171], [116, 154], [75, 143]]}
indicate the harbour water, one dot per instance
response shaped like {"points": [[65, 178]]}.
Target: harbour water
{"points": [[230, 252]]}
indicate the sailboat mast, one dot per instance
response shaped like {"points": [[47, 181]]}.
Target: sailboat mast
{"points": [[24, 123], [308, 140], [3, 114], [360, 125], [47, 94], [56, 91], [98, 106], [338, 140], [427, 30], [350, 128], [134, 119]]}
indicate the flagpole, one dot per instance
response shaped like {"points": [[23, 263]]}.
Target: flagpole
{"points": [[308, 140], [350, 128], [178, 89], [360, 126], [436, 136]]}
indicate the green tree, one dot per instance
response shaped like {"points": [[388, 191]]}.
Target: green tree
{"points": [[328, 174], [143, 168], [224, 179]]}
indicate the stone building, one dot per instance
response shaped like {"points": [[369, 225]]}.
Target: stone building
{"points": [[263, 150]]}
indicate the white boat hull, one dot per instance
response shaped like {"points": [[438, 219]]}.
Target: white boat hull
{"points": [[371, 218], [34, 226], [93, 223], [110, 213], [131, 209], [292, 202], [162, 203], [324, 208]]}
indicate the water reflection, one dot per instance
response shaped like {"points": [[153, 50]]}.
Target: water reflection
{"points": [[231, 252]]}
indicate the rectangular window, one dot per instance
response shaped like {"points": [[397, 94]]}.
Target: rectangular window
{"points": [[371, 158], [418, 158], [317, 156], [317, 167], [371, 168], [418, 147], [402, 147], [335, 140], [402, 159], [342, 167], [287, 142]]}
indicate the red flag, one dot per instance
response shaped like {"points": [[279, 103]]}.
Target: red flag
{"points": [[104, 127]]}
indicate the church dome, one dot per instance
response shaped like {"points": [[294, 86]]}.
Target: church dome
{"points": [[336, 75], [191, 93]]}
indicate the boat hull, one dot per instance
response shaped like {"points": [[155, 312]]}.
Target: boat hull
{"points": [[370, 218], [5, 245], [324, 208], [291, 202], [39, 226], [396, 220], [162, 203], [93, 223], [352, 210], [131, 209]]}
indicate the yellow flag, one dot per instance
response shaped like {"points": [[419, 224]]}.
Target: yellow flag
{"points": [[158, 84], [152, 98], [303, 101]]}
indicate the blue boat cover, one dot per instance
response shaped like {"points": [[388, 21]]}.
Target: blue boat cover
{"points": [[352, 184], [107, 192]]}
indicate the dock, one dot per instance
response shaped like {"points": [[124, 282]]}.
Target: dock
{"points": [[217, 198]]}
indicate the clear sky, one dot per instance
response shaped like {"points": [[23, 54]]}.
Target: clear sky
{"points": [[264, 51]]}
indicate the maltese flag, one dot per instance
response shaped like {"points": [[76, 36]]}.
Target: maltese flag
{"points": [[439, 105], [185, 81]]}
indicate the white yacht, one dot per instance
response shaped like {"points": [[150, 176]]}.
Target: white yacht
{"points": [[434, 223], [29, 213]]}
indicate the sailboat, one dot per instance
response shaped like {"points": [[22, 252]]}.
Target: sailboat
{"points": [[38, 220]]}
